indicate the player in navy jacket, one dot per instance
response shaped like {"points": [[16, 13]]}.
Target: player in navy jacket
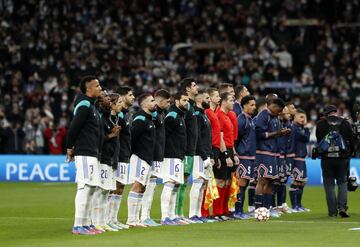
{"points": [[267, 130], [246, 149], [301, 137]]}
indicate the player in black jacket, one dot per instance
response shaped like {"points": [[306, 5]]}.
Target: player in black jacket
{"points": [[202, 162], [83, 146], [122, 171], [162, 99], [175, 149], [142, 145], [109, 107], [189, 86]]}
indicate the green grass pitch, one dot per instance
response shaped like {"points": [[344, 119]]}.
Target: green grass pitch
{"points": [[41, 214]]}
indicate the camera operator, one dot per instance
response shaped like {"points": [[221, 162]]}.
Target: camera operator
{"points": [[335, 145]]}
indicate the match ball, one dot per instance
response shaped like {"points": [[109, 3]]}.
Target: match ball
{"points": [[262, 214]]}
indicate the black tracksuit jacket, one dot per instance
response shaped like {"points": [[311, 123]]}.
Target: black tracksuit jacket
{"points": [[175, 134], [143, 136], [85, 133]]}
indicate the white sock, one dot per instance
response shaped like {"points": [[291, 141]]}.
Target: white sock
{"points": [[114, 207], [201, 197], [194, 196], [172, 206], [99, 207], [148, 199], [133, 207], [165, 199], [82, 205]]}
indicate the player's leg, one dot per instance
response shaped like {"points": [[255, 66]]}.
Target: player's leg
{"points": [[195, 193], [188, 167], [147, 203], [139, 176], [149, 195]]}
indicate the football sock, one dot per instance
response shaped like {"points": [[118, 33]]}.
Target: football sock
{"points": [[293, 196], [172, 206], [148, 199], [282, 194], [200, 200], [194, 196], [114, 207], [239, 205], [217, 204], [133, 207], [180, 200], [83, 205], [274, 194], [267, 200], [258, 201], [165, 199], [279, 192], [251, 194], [299, 194], [100, 207], [226, 199]]}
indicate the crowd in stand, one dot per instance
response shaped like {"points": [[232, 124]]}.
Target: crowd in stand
{"points": [[48, 45]]}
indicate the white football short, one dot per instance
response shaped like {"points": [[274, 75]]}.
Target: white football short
{"points": [[139, 170], [87, 171], [173, 170]]}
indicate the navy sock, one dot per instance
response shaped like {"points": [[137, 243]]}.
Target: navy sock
{"points": [[258, 201], [280, 194], [274, 194], [268, 200], [238, 202], [299, 194], [284, 193], [251, 194], [293, 195]]}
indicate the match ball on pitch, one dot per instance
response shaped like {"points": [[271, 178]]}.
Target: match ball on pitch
{"points": [[262, 214]]}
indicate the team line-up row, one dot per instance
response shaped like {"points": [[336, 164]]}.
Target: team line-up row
{"points": [[213, 135]]}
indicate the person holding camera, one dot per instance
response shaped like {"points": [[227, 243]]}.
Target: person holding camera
{"points": [[335, 145]]}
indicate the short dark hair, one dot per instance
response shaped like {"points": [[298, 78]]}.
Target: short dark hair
{"points": [[114, 97], [238, 90], [179, 94], [224, 86], [143, 97], [269, 98], [246, 100], [84, 81], [212, 90], [300, 111], [123, 90], [279, 102], [162, 93], [224, 97], [186, 82], [289, 103]]}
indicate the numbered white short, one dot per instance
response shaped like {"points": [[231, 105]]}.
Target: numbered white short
{"points": [[87, 171], [107, 181], [139, 170], [173, 170], [122, 173], [199, 171], [156, 169]]}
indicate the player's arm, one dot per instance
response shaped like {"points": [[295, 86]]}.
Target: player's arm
{"points": [[78, 122], [200, 142], [241, 126], [302, 135], [261, 128], [137, 127], [170, 123]]}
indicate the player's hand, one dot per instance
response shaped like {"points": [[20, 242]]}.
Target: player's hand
{"points": [[115, 131], [212, 162], [69, 155], [229, 162], [237, 160]]}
